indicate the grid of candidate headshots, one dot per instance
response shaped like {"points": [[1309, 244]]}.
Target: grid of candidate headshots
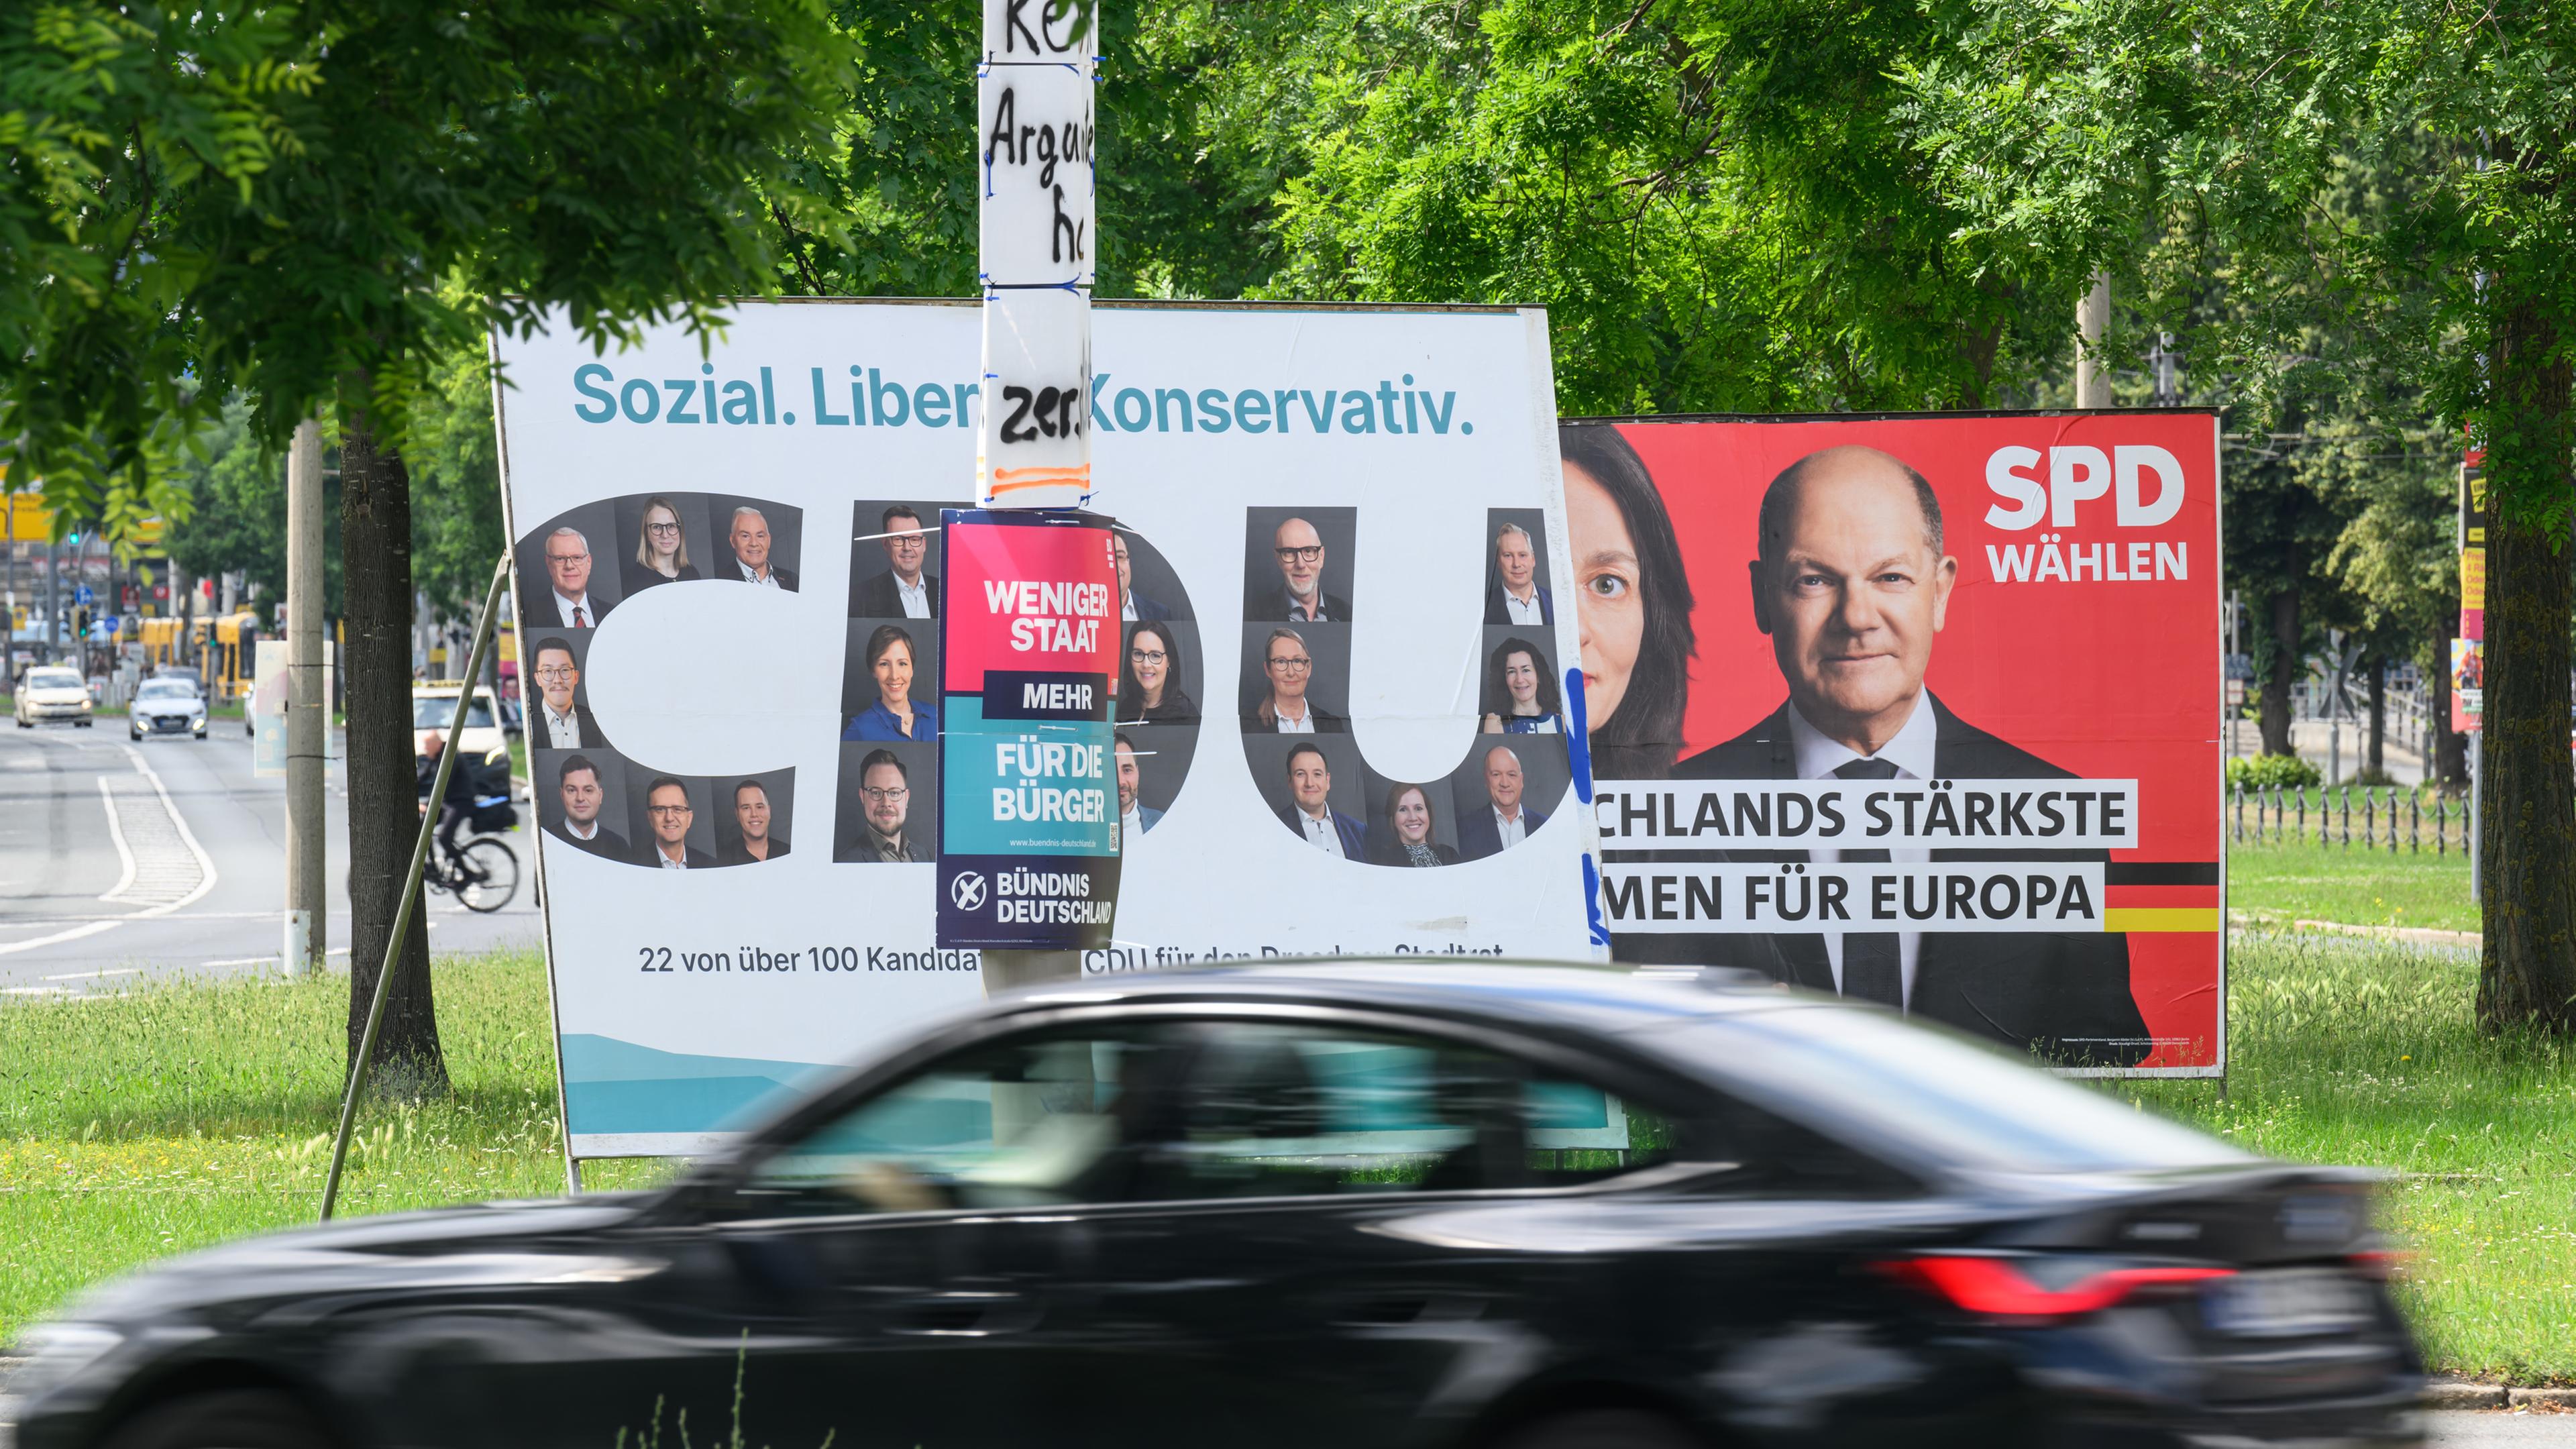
{"points": [[1294, 699], [887, 801], [574, 570]]}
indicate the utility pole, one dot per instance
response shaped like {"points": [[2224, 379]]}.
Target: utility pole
{"points": [[307, 712], [1038, 236], [2092, 320]]}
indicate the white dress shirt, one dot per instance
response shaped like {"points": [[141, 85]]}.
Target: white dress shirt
{"points": [[667, 862], [1303, 724], [1911, 752], [1127, 607], [1321, 834], [563, 730], [1511, 831], [1522, 611], [766, 581], [565, 604], [916, 597], [573, 828]]}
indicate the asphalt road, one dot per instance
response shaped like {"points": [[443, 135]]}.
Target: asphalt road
{"points": [[2500, 1429], [121, 862]]}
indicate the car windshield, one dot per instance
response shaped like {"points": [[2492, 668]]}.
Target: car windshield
{"points": [[1949, 1099], [165, 689], [52, 679], [431, 712]]}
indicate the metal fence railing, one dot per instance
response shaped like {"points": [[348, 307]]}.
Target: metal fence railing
{"points": [[2374, 817]]}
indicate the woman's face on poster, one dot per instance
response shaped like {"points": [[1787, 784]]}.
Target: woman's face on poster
{"points": [[1412, 818], [1610, 614], [894, 674], [1150, 655], [662, 531], [1520, 677]]}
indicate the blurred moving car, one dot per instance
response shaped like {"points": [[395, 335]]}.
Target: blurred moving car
{"points": [[433, 707], [1356, 1204], [166, 707], [53, 692]]}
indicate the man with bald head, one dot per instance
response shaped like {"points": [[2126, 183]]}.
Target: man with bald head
{"points": [[1852, 584], [1299, 596]]}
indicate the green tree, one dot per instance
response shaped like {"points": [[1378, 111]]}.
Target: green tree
{"points": [[2075, 130], [318, 205]]}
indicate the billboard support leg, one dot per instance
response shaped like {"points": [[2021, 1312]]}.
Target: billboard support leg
{"points": [[410, 897]]}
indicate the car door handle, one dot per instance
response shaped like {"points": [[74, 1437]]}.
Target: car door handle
{"points": [[964, 1315]]}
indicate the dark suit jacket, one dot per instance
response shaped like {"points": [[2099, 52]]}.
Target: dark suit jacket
{"points": [[607, 845], [2066, 996], [734, 854], [650, 857], [540, 738], [1271, 606], [537, 608], [1497, 613], [1148, 610], [733, 570], [1326, 722], [880, 598], [1354, 835], [1390, 851], [1479, 836]]}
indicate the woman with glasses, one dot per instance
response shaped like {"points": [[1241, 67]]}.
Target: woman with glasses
{"points": [[1287, 667], [1408, 841], [1149, 687], [661, 551], [1520, 692], [896, 715]]}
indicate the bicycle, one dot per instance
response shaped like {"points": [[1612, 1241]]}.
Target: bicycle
{"points": [[482, 873]]}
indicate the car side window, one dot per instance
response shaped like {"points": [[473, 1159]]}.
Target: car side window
{"points": [[1030, 1121], [1282, 1110]]}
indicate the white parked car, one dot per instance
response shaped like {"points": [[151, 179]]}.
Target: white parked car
{"points": [[167, 707], [52, 692], [433, 707]]}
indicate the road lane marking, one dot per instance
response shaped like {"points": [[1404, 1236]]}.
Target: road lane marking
{"points": [[187, 837], [116, 833], [205, 864], [94, 975]]}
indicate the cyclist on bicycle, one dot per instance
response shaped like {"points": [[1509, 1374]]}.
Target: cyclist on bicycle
{"points": [[457, 805]]}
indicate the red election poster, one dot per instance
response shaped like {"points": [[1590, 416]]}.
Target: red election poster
{"points": [[1918, 709]]}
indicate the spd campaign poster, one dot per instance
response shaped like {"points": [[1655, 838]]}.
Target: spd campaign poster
{"points": [[1921, 710], [1341, 638], [1028, 824]]}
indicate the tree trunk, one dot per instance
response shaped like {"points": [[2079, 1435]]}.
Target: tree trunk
{"points": [[2283, 668], [2447, 762], [2374, 753], [2526, 789], [375, 551]]}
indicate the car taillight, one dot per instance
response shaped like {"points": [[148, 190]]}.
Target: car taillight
{"points": [[1999, 1287], [2379, 1263]]}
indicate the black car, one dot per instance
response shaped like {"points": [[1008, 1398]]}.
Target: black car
{"points": [[1346, 1205]]}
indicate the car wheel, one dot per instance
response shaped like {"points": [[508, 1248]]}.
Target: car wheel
{"points": [[84, 724], [239, 1419], [1603, 1429]]}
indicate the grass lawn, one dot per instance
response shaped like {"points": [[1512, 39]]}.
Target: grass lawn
{"points": [[2283, 883], [145, 1124]]}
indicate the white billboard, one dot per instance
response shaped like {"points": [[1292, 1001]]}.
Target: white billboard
{"points": [[1347, 633]]}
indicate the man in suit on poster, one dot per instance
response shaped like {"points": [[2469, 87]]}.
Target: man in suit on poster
{"points": [[1851, 584], [559, 722], [1310, 811], [578, 783], [1506, 820], [748, 536], [905, 590], [1516, 597]]}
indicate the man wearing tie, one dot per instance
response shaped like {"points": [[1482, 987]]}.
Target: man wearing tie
{"points": [[1516, 597], [566, 602], [1851, 584]]}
